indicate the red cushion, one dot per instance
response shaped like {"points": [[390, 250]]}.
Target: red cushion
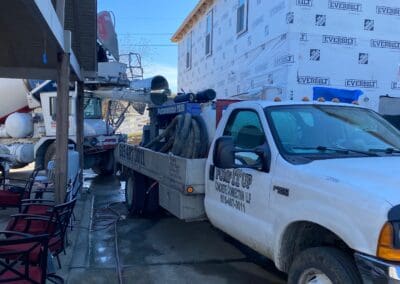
{"points": [[35, 273], [8, 198], [36, 227], [34, 256], [38, 209]]}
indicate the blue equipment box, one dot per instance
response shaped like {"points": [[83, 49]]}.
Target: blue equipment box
{"points": [[192, 108]]}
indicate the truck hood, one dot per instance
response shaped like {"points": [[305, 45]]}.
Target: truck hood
{"points": [[375, 176]]}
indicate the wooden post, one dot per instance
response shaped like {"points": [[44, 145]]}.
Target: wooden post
{"points": [[62, 125], [79, 127]]}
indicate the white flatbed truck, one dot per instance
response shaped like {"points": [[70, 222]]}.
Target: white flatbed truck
{"points": [[311, 185]]}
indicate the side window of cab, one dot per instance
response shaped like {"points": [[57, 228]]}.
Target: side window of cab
{"points": [[246, 129]]}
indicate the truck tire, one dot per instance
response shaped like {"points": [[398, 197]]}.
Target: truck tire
{"points": [[141, 195], [323, 265], [106, 165]]}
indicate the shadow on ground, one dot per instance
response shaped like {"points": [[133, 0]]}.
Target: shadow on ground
{"points": [[149, 250]]}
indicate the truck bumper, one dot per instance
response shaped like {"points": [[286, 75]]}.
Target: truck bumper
{"points": [[374, 270]]}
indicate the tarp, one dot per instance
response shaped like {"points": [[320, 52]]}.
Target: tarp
{"points": [[345, 96]]}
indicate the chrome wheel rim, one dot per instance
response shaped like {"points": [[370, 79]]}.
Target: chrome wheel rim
{"points": [[314, 276]]}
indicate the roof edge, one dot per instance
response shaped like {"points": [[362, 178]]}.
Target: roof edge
{"points": [[200, 9]]}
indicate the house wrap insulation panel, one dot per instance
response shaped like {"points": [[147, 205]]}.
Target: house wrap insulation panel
{"points": [[291, 46]]}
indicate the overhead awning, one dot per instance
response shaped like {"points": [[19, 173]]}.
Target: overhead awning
{"points": [[32, 36]]}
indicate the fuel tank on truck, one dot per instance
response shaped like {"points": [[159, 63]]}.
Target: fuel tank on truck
{"points": [[12, 97]]}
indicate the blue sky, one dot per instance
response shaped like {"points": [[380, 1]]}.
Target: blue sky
{"points": [[146, 26]]}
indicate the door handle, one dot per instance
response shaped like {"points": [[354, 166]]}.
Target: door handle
{"points": [[211, 173]]}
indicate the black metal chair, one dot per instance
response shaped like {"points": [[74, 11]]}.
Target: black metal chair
{"points": [[23, 258], [55, 225], [13, 191]]}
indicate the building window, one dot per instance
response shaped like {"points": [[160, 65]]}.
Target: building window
{"points": [[242, 11], [209, 33], [189, 51]]}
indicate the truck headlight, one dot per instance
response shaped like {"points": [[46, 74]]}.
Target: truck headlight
{"points": [[389, 242]]}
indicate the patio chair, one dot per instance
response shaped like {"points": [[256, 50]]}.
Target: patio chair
{"points": [[16, 258], [55, 225], [41, 206], [13, 191]]}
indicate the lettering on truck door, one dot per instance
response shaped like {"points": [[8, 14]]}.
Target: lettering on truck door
{"points": [[240, 197]]}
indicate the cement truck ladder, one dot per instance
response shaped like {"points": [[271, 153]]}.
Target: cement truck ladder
{"points": [[118, 110]]}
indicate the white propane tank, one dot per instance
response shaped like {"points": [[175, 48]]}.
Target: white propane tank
{"points": [[19, 125], [73, 165], [23, 153]]}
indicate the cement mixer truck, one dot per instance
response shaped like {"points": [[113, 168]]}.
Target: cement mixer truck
{"points": [[28, 115]]}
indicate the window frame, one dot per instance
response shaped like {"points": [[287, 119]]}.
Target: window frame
{"points": [[209, 33], [245, 5], [53, 107], [234, 114], [97, 107], [188, 53]]}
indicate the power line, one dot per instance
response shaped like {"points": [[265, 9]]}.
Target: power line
{"points": [[128, 34], [132, 19], [150, 45]]}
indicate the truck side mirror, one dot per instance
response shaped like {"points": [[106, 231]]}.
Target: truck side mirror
{"points": [[224, 153]]}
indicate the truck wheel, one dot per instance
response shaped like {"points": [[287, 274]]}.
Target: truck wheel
{"points": [[135, 193], [141, 195], [106, 165], [323, 265]]}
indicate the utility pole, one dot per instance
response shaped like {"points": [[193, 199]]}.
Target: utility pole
{"points": [[79, 127]]}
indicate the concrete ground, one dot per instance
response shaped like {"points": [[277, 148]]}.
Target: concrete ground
{"points": [[108, 246]]}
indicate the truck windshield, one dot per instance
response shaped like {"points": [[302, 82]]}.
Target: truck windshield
{"points": [[92, 108], [324, 131]]}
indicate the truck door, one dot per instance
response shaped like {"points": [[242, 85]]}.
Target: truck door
{"points": [[237, 199], [49, 102]]}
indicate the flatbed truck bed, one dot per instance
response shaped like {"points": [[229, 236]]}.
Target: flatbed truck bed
{"points": [[180, 180]]}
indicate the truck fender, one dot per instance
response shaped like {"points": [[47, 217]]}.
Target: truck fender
{"points": [[328, 219], [41, 148]]}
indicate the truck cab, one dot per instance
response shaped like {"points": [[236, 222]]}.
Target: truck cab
{"points": [[287, 178], [94, 124], [99, 137]]}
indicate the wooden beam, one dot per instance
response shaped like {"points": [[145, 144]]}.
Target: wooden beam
{"points": [[79, 127], [62, 124], [60, 10]]}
